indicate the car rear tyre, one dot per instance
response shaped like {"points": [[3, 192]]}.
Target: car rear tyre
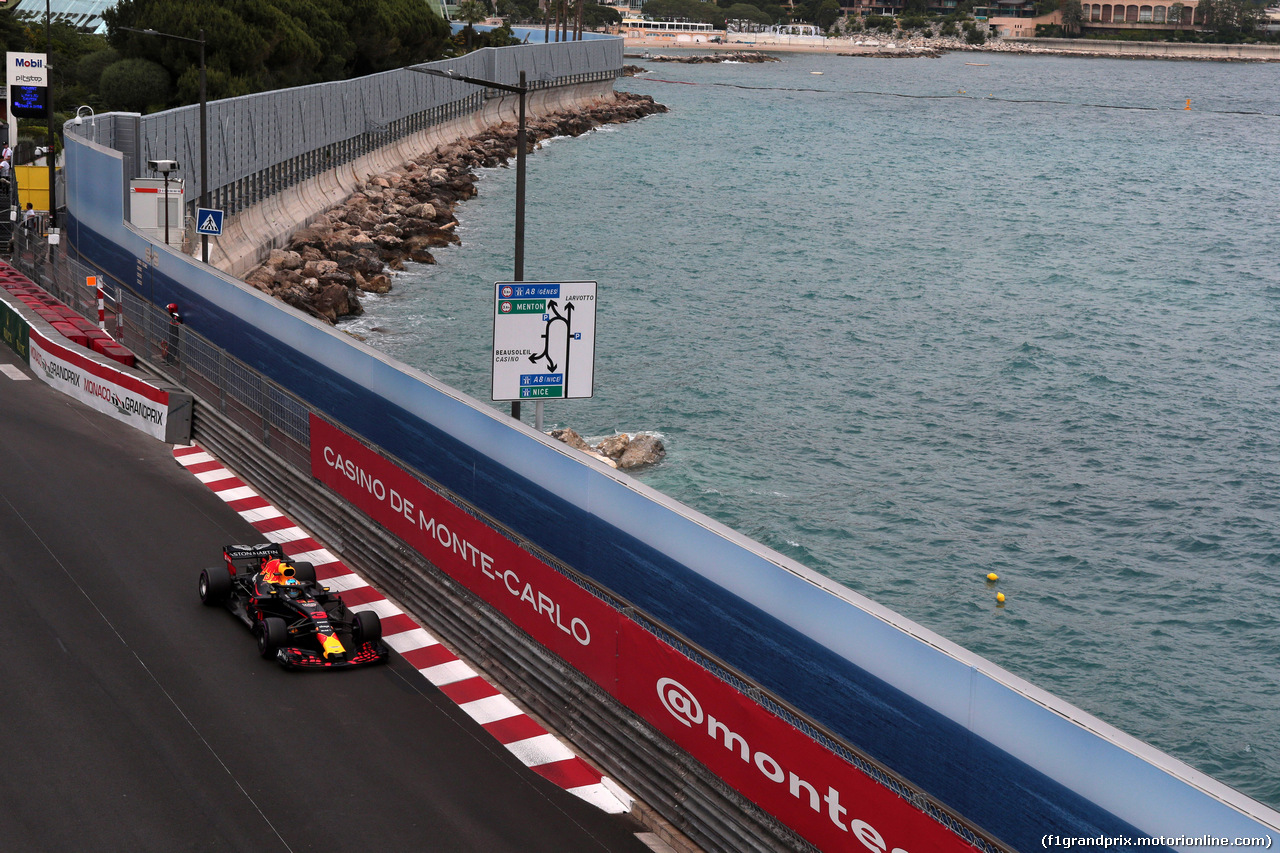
{"points": [[215, 586], [304, 572], [272, 634], [366, 627]]}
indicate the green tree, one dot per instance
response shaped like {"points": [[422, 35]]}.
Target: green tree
{"points": [[1231, 20], [255, 45], [134, 85], [689, 10], [89, 68], [471, 12], [1072, 16], [596, 16], [826, 14], [14, 32], [747, 12]]}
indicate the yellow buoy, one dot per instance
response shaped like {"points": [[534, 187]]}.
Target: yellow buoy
{"points": [[999, 599], [993, 577]]}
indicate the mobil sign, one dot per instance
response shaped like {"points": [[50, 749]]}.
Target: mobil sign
{"points": [[27, 69]]}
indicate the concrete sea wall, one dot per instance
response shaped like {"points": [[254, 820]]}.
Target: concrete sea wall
{"points": [[1155, 49]]}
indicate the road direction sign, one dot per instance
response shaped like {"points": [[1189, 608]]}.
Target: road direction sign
{"points": [[209, 221], [544, 340]]}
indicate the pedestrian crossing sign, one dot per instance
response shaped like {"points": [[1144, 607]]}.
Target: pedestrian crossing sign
{"points": [[208, 221]]}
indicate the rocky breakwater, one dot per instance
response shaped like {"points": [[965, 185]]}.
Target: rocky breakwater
{"points": [[625, 451], [747, 56], [402, 215]]}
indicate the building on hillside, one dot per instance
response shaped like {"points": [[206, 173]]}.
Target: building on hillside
{"points": [[681, 30], [1152, 14], [1006, 9], [1163, 14], [87, 14], [82, 14], [625, 8], [1098, 17]]}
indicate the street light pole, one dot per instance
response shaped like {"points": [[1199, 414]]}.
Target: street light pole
{"points": [[164, 167], [204, 127], [522, 90], [166, 209], [49, 149], [520, 146], [204, 151]]}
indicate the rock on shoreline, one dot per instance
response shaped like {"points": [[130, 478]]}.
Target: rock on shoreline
{"points": [[624, 450], [746, 56], [403, 215]]}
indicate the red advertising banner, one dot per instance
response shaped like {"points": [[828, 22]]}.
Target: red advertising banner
{"points": [[825, 799], [552, 609]]}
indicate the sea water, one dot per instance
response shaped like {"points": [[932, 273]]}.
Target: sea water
{"points": [[912, 321]]}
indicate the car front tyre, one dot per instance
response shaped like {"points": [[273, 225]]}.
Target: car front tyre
{"points": [[272, 634], [366, 627]]}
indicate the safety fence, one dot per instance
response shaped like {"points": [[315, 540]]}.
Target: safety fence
{"points": [[251, 189], [257, 145], [264, 433]]}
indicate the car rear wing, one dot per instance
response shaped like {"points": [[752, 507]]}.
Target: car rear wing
{"points": [[252, 556]]}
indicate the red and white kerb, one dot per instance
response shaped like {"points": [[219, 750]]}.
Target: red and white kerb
{"points": [[526, 739]]}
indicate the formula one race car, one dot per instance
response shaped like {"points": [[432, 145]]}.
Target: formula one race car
{"points": [[296, 620]]}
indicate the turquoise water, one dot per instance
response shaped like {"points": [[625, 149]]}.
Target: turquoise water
{"points": [[934, 320]]}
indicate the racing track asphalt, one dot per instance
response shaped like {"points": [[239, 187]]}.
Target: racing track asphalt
{"points": [[133, 718]]}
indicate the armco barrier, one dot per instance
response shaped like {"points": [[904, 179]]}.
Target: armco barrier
{"points": [[159, 409], [788, 653]]}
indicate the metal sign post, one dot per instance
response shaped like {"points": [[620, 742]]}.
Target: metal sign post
{"points": [[208, 224]]}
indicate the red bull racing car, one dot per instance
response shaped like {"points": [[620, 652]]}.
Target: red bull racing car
{"points": [[298, 622]]}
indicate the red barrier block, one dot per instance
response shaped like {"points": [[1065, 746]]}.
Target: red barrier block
{"points": [[49, 315], [114, 351], [83, 324], [71, 333]]}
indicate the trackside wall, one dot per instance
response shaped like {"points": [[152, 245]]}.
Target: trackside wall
{"points": [[1012, 760]]}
